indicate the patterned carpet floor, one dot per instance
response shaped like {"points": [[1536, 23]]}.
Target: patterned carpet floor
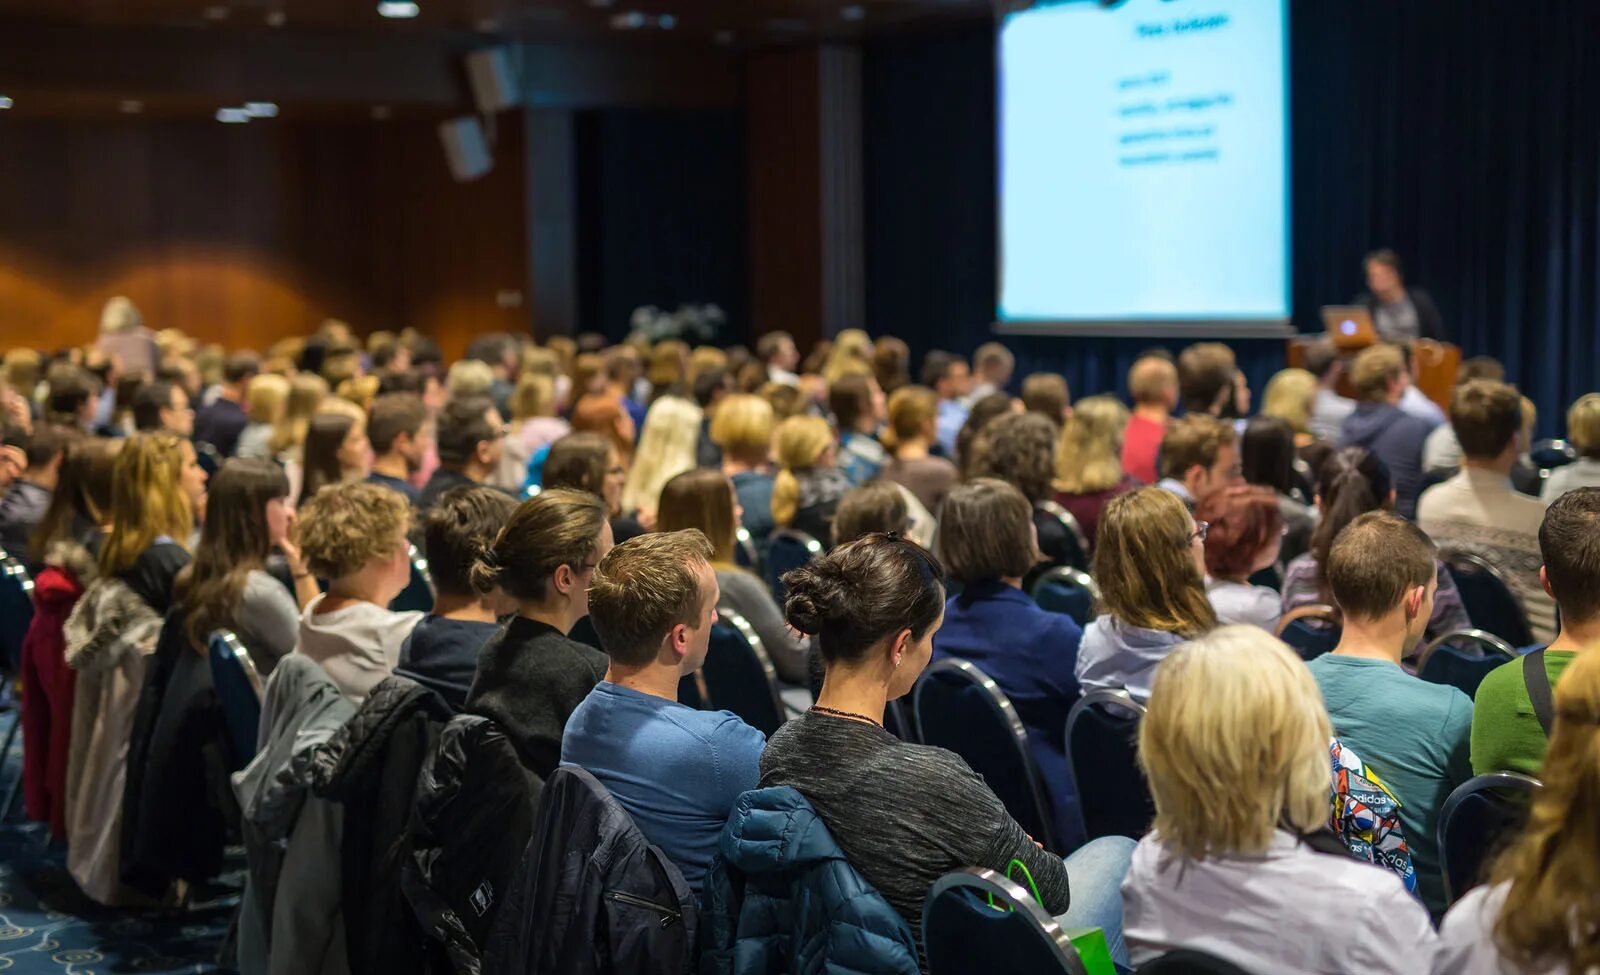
{"points": [[48, 926]]}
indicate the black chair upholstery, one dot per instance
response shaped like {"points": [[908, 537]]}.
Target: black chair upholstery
{"points": [[1435, 477], [787, 549], [962, 934], [1064, 589], [1547, 455], [739, 675], [692, 691], [745, 551], [1474, 823], [1187, 961], [1311, 630], [898, 721], [1102, 749], [1489, 600], [1075, 551], [238, 687], [1463, 658], [16, 609], [418, 594]]}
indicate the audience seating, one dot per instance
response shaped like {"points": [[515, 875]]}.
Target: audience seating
{"points": [[1463, 658], [745, 552], [1474, 820], [1299, 630], [207, 457], [958, 707], [787, 548], [1102, 748], [1489, 600], [1435, 477], [900, 722], [418, 594], [238, 687], [738, 675], [976, 920], [16, 609], [1187, 961], [1065, 589], [1080, 558], [1271, 578], [1547, 455]]}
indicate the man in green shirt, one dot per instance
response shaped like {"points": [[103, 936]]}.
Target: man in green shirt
{"points": [[1413, 734], [1506, 733]]}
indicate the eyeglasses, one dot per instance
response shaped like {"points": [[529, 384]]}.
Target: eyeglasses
{"points": [[616, 471], [1200, 529]]}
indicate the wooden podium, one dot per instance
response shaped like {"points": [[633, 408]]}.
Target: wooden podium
{"points": [[1434, 364]]}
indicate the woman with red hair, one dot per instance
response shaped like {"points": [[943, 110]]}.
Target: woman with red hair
{"points": [[1243, 534]]}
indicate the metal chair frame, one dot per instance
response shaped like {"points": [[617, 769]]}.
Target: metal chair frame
{"points": [[1068, 521], [1100, 698], [993, 884], [1489, 782], [1451, 557], [763, 659]]}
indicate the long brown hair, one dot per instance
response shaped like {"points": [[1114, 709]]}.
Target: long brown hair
{"points": [[1143, 565], [82, 496], [1550, 918], [703, 499], [147, 500], [234, 542], [321, 464]]}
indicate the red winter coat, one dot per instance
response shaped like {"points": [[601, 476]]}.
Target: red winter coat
{"points": [[47, 691]]}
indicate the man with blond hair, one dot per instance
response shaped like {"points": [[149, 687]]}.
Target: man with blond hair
{"points": [[1153, 385], [1394, 436]]}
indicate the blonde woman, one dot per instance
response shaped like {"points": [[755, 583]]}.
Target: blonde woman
{"points": [[666, 449], [1583, 432], [533, 426], [913, 416], [808, 486], [1089, 460], [1230, 871], [851, 354], [469, 377], [360, 390], [266, 400], [306, 393], [742, 427], [1291, 396], [1150, 565]]}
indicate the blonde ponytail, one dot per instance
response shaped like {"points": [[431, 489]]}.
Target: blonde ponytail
{"points": [[797, 444]]}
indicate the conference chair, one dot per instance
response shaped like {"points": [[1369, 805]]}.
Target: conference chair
{"points": [[1463, 658], [1187, 961], [1490, 601], [1547, 455], [745, 551], [787, 548], [739, 675], [692, 691], [16, 608], [1311, 630], [1435, 477], [1475, 822], [238, 687], [208, 457], [418, 593], [958, 707], [1102, 757], [1078, 544], [898, 721], [977, 920], [1064, 589]]}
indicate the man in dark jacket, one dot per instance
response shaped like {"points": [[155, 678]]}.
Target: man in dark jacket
{"points": [[27, 498], [1378, 424], [1399, 313], [220, 423], [470, 437]]}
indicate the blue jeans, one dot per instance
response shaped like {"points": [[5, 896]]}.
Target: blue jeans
{"points": [[1095, 872]]}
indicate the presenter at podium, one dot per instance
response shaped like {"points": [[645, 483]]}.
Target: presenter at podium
{"points": [[1399, 313]]}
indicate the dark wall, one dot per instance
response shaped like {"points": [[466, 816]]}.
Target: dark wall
{"points": [[661, 215]]}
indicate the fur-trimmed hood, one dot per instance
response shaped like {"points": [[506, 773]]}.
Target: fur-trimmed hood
{"points": [[109, 622]]}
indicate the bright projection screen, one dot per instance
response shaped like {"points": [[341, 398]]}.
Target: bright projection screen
{"points": [[1143, 167]]}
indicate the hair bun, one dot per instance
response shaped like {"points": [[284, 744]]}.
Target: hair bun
{"points": [[814, 595]]}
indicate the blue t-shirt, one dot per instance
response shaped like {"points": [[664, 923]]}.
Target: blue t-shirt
{"points": [[677, 771], [394, 483]]}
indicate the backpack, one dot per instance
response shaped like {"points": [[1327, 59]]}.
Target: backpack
{"points": [[1366, 816]]}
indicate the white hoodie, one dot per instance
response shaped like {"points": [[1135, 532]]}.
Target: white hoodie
{"points": [[358, 646]]}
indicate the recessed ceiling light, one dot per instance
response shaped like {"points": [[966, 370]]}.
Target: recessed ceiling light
{"points": [[853, 12], [398, 9], [215, 12], [602, 3], [276, 18], [5, 102], [131, 106], [232, 116], [261, 109], [381, 112]]}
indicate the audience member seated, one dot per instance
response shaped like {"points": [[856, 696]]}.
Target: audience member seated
{"points": [[1020, 448], [986, 541], [1199, 456], [666, 449], [1329, 409], [1379, 378], [1046, 394], [912, 417], [397, 428], [266, 400], [907, 814], [859, 410], [1583, 433], [743, 429], [703, 500], [588, 462], [1149, 564], [877, 506], [950, 380], [1088, 469], [1442, 451], [28, 496], [1244, 530], [891, 363], [353, 534], [1153, 385], [163, 407], [1507, 732], [441, 653], [1537, 914], [1210, 383], [1413, 401], [1477, 510], [1236, 872], [778, 351], [533, 427], [1267, 455], [1290, 396], [992, 365], [336, 450], [287, 443], [220, 422], [1413, 734], [530, 675], [808, 486], [983, 412], [470, 436], [712, 385], [1352, 482], [676, 770]]}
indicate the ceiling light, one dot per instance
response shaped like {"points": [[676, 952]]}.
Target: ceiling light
{"points": [[215, 12], [381, 112], [232, 116], [5, 102], [853, 12], [276, 18], [131, 106], [398, 9], [261, 109]]}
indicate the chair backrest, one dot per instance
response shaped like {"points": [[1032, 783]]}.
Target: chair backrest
{"points": [[745, 551], [739, 675], [1463, 658], [418, 593], [1080, 558], [208, 457], [1475, 821], [1064, 589], [16, 608], [899, 721], [1550, 454], [787, 548], [1435, 477], [1102, 755], [957, 706], [238, 687], [1187, 961], [1311, 630], [962, 933], [1490, 601]]}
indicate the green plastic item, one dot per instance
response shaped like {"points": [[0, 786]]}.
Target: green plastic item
{"points": [[1090, 942]]}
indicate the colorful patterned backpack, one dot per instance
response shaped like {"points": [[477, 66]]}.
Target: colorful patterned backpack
{"points": [[1366, 816]]}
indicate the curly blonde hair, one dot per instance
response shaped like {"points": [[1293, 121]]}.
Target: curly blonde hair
{"points": [[347, 525]]}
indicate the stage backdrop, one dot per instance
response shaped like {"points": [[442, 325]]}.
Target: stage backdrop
{"points": [[1459, 132]]}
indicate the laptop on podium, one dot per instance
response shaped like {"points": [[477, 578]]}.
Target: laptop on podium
{"points": [[1349, 326]]}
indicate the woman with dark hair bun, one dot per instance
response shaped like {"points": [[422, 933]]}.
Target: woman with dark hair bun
{"points": [[907, 814]]}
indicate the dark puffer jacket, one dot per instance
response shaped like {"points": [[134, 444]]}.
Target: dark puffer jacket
{"points": [[473, 818], [781, 898], [370, 766]]}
